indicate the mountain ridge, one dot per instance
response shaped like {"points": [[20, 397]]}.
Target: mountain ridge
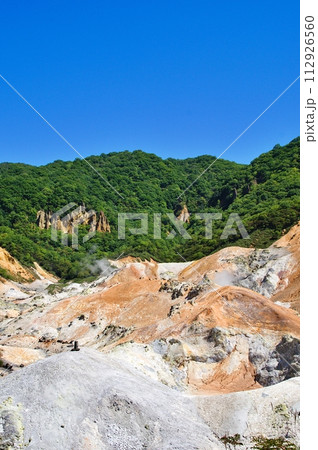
{"points": [[264, 193]]}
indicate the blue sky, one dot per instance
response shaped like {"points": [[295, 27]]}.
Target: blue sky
{"points": [[175, 78]]}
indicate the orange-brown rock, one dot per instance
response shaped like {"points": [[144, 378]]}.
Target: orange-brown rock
{"points": [[79, 216], [17, 355], [211, 326], [238, 266], [184, 215], [291, 293], [103, 224], [13, 267]]}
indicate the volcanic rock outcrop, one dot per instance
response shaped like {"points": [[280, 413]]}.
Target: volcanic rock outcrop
{"points": [[272, 272], [103, 224], [184, 215], [79, 216]]}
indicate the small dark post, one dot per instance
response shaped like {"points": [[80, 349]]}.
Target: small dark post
{"points": [[75, 348]]}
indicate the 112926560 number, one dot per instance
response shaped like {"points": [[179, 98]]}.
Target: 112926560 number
{"points": [[309, 48]]}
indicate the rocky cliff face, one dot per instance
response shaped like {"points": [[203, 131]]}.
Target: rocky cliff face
{"points": [[103, 224], [184, 215], [13, 268], [80, 216]]}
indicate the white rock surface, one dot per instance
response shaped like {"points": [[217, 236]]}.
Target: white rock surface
{"points": [[87, 400], [271, 412], [167, 271]]}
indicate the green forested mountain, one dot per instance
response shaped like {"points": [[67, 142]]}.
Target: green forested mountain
{"points": [[264, 193]]}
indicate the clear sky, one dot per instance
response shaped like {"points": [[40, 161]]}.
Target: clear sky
{"points": [[175, 78]]}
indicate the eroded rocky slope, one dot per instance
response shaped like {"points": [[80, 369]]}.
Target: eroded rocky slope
{"points": [[221, 325], [87, 400]]}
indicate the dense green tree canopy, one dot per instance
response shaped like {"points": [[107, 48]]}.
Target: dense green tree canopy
{"points": [[264, 193]]}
